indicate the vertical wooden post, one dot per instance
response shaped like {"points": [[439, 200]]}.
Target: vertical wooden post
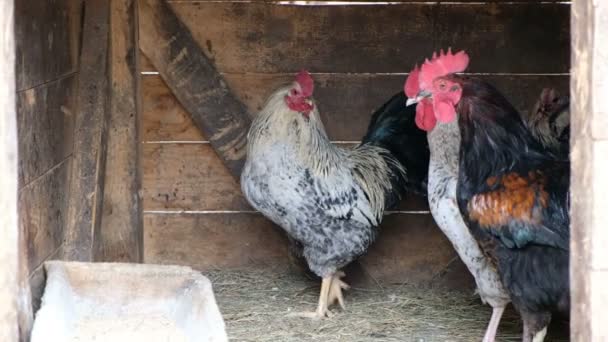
{"points": [[589, 231], [9, 262], [90, 133], [121, 235]]}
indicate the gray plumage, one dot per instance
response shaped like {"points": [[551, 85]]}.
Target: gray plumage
{"points": [[329, 199]]}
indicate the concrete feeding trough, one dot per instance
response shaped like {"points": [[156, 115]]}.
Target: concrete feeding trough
{"points": [[126, 302]]}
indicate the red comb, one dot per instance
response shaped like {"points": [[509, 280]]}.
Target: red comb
{"points": [[306, 83], [411, 87], [444, 64]]}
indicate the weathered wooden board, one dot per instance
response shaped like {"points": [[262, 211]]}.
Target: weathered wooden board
{"points": [[42, 213], [270, 38], [47, 36], [46, 126], [90, 133], [191, 177], [213, 241], [145, 65], [195, 82], [121, 234], [524, 38], [163, 117], [410, 248], [589, 148], [262, 37], [346, 102], [188, 177]]}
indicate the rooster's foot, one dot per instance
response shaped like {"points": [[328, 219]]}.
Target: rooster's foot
{"points": [[311, 314], [324, 297], [335, 289]]}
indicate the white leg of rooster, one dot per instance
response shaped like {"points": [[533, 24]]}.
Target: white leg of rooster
{"points": [[490, 335], [322, 307], [335, 289]]}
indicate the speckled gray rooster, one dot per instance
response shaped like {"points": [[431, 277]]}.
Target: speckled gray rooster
{"points": [[330, 200]]}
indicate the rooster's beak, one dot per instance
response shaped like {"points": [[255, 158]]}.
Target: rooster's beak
{"points": [[421, 95], [411, 101]]}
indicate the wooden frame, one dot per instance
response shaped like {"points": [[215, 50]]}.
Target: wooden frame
{"points": [[589, 234], [589, 255], [9, 251]]}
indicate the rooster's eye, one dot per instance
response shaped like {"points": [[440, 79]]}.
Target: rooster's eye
{"points": [[293, 92], [441, 86]]}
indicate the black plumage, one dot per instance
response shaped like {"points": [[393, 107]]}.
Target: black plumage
{"points": [[513, 194], [393, 127]]}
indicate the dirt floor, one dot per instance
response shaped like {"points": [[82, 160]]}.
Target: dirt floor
{"points": [[255, 305]]}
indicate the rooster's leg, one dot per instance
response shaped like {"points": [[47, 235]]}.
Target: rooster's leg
{"points": [[493, 325], [335, 289], [322, 307], [535, 325]]}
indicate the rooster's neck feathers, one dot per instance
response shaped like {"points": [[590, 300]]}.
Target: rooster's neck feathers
{"points": [[306, 134], [492, 130]]}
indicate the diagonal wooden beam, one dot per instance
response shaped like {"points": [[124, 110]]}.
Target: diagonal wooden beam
{"points": [[195, 81]]}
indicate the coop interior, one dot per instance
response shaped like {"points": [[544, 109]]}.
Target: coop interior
{"points": [[116, 166]]}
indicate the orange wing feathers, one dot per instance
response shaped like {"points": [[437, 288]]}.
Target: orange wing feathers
{"points": [[515, 197]]}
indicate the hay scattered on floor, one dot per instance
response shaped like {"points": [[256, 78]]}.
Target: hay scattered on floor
{"points": [[255, 303]]}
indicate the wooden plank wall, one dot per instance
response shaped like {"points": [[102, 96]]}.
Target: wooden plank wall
{"points": [[47, 39], [359, 55]]}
